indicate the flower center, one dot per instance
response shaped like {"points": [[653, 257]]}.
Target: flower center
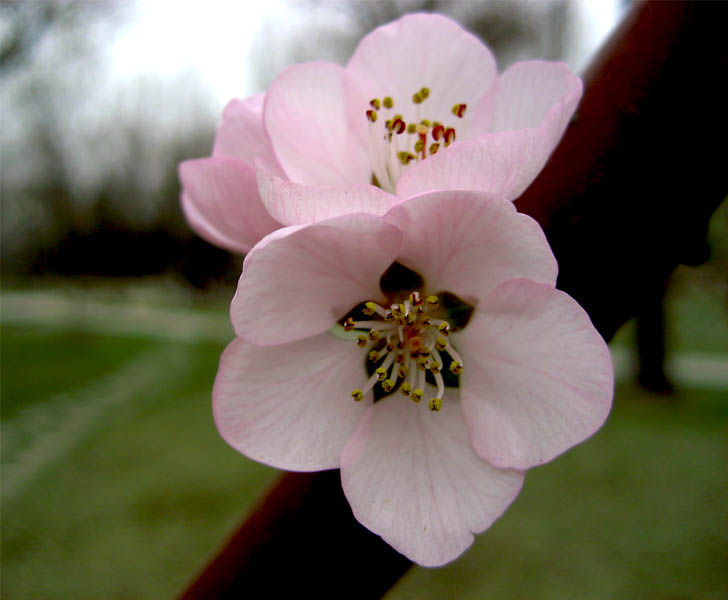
{"points": [[406, 345], [395, 144]]}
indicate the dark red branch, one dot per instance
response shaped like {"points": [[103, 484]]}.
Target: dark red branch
{"points": [[624, 199], [628, 193]]}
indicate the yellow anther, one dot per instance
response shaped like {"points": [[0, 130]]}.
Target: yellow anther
{"points": [[374, 335], [411, 317], [374, 103], [369, 308], [418, 395], [388, 385], [381, 373], [405, 157], [388, 102], [435, 368], [406, 389], [389, 317], [422, 129], [434, 148], [373, 356], [358, 395], [425, 122], [432, 301], [444, 328], [425, 321], [456, 367], [411, 128], [435, 404], [441, 343], [348, 324], [372, 116], [459, 110], [361, 340], [417, 98], [425, 93], [397, 312], [419, 144], [402, 372], [422, 363]]}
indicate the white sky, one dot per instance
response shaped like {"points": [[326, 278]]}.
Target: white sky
{"points": [[213, 39]]}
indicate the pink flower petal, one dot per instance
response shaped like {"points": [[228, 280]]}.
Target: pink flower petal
{"points": [[221, 202], [538, 377], [467, 243], [501, 164], [290, 406], [296, 204], [305, 116], [531, 106], [416, 51], [301, 280], [532, 92], [241, 133], [412, 477]]}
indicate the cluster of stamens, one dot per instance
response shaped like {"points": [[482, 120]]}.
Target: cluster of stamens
{"points": [[406, 342], [404, 142]]}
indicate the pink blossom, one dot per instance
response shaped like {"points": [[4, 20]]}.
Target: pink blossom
{"points": [[419, 107], [465, 402]]}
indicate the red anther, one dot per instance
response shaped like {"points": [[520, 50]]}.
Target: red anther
{"points": [[460, 110], [399, 126], [437, 132], [372, 116], [449, 136], [423, 142]]}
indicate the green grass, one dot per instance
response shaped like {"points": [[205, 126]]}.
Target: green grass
{"points": [[37, 363]]}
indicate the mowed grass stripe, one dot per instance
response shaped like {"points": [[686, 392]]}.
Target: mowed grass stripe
{"points": [[45, 432], [111, 318]]}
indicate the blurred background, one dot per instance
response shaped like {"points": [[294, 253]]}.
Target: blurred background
{"points": [[115, 483]]}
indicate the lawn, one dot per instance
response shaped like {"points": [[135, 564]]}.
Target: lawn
{"points": [[116, 484]]}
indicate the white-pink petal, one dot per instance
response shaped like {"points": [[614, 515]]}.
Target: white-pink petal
{"points": [[412, 477], [221, 202], [467, 243], [416, 51], [500, 164], [529, 92], [290, 406], [303, 279], [306, 118], [241, 134], [538, 377], [297, 204]]}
